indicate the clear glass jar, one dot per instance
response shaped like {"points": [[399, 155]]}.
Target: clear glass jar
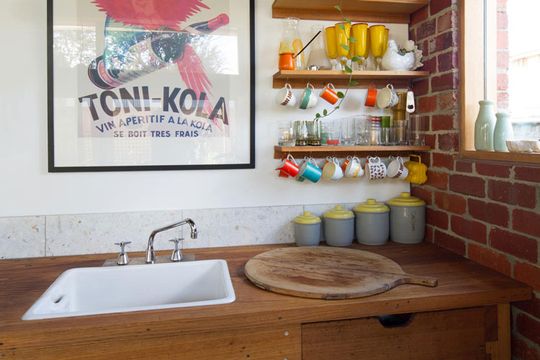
{"points": [[375, 130]]}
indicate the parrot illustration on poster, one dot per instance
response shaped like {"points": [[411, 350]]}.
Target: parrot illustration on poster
{"points": [[144, 36]]}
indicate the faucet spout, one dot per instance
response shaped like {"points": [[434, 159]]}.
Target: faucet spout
{"points": [[150, 253]]}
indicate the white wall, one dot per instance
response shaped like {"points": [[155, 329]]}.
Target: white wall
{"points": [[27, 189]]}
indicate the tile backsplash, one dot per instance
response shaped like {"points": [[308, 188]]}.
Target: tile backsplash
{"points": [[57, 235]]}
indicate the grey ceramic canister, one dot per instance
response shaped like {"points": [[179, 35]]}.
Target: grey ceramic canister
{"points": [[307, 229], [339, 226], [407, 219], [372, 222]]}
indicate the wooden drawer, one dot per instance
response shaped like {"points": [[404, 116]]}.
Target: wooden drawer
{"points": [[454, 334]]}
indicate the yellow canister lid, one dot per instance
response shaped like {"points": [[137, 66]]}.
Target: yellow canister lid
{"points": [[307, 218], [339, 212], [405, 199], [371, 206]]}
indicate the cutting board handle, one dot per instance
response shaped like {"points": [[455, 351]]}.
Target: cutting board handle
{"points": [[420, 280]]}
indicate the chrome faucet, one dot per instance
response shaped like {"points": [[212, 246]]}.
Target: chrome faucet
{"points": [[150, 254]]}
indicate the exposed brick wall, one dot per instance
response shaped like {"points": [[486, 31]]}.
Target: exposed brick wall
{"points": [[486, 211]]}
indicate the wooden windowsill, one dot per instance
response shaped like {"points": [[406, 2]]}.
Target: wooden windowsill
{"points": [[530, 158]]}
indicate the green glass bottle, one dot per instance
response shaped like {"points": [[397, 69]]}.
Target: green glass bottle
{"points": [[484, 126]]}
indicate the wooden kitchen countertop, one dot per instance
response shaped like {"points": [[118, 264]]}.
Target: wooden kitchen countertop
{"points": [[462, 284]]}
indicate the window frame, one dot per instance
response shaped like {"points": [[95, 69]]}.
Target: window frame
{"points": [[472, 68]]}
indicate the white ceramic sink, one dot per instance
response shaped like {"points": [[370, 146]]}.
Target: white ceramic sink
{"points": [[102, 290]]}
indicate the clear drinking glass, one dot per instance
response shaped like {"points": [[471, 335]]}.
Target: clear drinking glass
{"points": [[416, 130], [285, 134], [347, 131], [333, 132], [361, 126], [300, 133], [313, 132]]}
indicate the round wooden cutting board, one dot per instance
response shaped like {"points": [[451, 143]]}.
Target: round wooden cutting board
{"points": [[328, 273]]}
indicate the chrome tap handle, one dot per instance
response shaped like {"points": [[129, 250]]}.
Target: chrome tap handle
{"points": [[176, 255], [123, 258]]}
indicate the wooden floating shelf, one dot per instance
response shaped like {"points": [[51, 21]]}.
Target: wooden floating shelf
{"points": [[280, 152], [380, 11], [299, 78]]}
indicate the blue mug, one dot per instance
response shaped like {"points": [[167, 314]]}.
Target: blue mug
{"points": [[310, 170]]}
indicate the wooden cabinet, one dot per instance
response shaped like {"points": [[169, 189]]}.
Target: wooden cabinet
{"points": [[442, 335]]}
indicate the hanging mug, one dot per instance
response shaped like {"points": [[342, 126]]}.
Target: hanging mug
{"points": [[308, 99], [354, 168], [331, 170], [375, 168], [329, 94], [396, 169], [288, 167], [285, 96], [387, 97], [310, 170]]}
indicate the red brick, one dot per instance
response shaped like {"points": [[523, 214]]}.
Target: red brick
{"points": [[489, 258], [442, 122], [437, 179], [464, 166], [447, 61], [438, 5], [527, 173], [447, 101], [430, 64], [442, 42], [514, 244], [419, 16], [493, 169], [447, 81], [450, 202], [503, 60], [489, 212], [448, 141], [513, 194], [530, 306], [446, 21], [523, 351], [528, 327], [427, 104], [502, 20], [422, 193], [468, 185], [449, 242], [421, 87], [430, 140], [502, 39], [527, 273], [469, 229], [426, 29], [437, 218], [442, 160], [502, 81], [526, 222]]}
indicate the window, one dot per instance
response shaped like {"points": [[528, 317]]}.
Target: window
{"points": [[500, 61]]}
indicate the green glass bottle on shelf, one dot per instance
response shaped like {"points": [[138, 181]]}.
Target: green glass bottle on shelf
{"points": [[503, 132], [484, 126]]}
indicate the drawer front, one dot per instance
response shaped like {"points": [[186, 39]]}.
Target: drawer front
{"points": [[441, 335]]}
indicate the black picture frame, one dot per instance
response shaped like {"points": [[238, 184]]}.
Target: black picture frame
{"points": [[53, 168]]}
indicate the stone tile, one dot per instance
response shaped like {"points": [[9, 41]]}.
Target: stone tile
{"points": [[97, 233], [22, 237], [243, 226]]}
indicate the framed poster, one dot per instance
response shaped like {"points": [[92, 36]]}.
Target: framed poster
{"points": [[150, 85]]}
